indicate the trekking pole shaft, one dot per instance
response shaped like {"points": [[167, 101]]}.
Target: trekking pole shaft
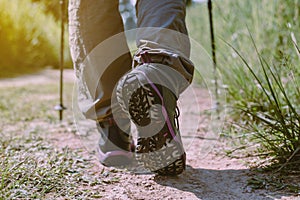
{"points": [[212, 32], [62, 5], [213, 49]]}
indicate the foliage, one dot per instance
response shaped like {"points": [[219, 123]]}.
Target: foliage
{"points": [[28, 38], [276, 120], [259, 72], [52, 7]]}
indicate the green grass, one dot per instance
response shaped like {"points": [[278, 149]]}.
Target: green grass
{"points": [[258, 66], [31, 165], [276, 121], [17, 105], [32, 169]]}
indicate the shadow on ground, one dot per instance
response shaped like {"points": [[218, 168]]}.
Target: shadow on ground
{"points": [[208, 184]]}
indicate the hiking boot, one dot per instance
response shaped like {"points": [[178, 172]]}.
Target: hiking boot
{"points": [[152, 108], [115, 145]]}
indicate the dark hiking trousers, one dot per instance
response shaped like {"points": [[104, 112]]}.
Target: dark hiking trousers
{"points": [[101, 55]]}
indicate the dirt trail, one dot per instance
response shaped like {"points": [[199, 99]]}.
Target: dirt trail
{"points": [[209, 175]]}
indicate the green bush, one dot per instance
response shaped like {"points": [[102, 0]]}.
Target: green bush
{"points": [[51, 7], [260, 72], [276, 116], [29, 39]]}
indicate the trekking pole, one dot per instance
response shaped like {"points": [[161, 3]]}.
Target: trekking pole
{"points": [[60, 107], [213, 51]]}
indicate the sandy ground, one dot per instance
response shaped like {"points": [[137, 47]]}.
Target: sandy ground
{"points": [[209, 174]]}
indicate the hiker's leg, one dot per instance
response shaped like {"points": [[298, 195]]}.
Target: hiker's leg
{"points": [[98, 64], [150, 91], [101, 56], [168, 42]]}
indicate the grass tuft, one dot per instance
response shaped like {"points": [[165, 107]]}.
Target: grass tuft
{"points": [[277, 122]]}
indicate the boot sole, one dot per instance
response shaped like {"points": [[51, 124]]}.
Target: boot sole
{"points": [[161, 153]]}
